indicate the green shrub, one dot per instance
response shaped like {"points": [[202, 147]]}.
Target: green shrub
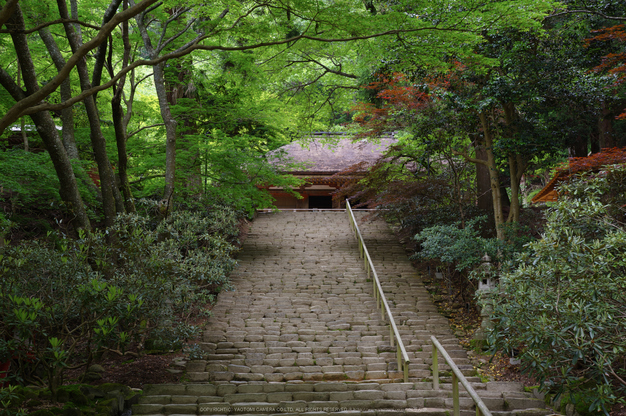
{"points": [[563, 307], [461, 249], [66, 301]]}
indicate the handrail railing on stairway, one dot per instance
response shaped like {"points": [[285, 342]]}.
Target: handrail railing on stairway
{"points": [[457, 376], [381, 301]]}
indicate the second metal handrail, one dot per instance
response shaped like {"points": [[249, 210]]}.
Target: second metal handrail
{"points": [[381, 301], [457, 376]]}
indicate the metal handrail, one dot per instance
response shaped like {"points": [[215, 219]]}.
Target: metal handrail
{"points": [[457, 376], [381, 301]]}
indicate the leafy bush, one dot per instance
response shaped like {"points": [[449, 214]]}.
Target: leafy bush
{"points": [[67, 301], [461, 248], [564, 305], [53, 305]]}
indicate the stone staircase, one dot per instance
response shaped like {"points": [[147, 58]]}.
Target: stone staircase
{"points": [[301, 333]]}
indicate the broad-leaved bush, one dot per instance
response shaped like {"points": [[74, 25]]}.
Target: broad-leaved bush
{"points": [[563, 308], [65, 301]]}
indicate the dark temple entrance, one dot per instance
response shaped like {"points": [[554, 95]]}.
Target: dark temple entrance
{"points": [[320, 202]]}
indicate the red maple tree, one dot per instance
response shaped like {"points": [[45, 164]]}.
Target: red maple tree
{"points": [[399, 97]]}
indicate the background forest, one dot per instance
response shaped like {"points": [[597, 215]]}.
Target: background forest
{"points": [[134, 141]]}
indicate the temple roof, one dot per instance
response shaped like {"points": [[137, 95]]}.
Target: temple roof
{"points": [[549, 193], [317, 157], [592, 163]]}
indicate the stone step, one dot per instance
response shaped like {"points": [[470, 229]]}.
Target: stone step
{"points": [[301, 398], [301, 334]]}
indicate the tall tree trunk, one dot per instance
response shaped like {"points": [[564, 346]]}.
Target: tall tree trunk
{"points": [[67, 115], [494, 179], [483, 181], [112, 202], [161, 88], [517, 167], [122, 169], [119, 124], [166, 113], [189, 176], [605, 127], [170, 131], [517, 164], [45, 125], [580, 146], [22, 122], [96, 77]]}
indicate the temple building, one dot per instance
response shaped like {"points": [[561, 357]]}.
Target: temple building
{"points": [[319, 162]]}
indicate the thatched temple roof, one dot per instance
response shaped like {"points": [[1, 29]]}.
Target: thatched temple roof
{"points": [[319, 157]]}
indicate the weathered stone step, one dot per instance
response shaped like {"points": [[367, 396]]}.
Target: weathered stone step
{"points": [[267, 398], [303, 320]]}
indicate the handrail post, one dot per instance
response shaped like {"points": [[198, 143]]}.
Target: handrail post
{"points": [[398, 356], [435, 368], [457, 377], [406, 372], [455, 395]]}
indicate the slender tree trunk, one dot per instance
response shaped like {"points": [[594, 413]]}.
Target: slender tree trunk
{"points": [[605, 127], [517, 164], [111, 198], [189, 176], [119, 124], [162, 94], [45, 125], [166, 113], [24, 135], [170, 131], [517, 167], [457, 188], [22, 122], [96, 77], [494, 179], [483, 182], [67, 115], [122, 169]]}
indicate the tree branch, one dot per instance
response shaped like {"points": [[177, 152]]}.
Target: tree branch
{"points": [[143, 128], [332, 71], [16, 111], [468, 158], [53, 22], [96, 76], [162, 45], [27, 106], [175, 16], [586, 11]]}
